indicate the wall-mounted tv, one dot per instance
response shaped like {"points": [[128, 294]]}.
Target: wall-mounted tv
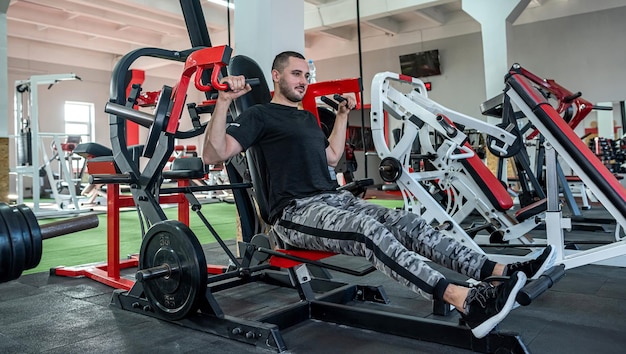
{"points": [[421, 64]]}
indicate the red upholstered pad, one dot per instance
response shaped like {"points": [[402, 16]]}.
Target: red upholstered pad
{"points": [[103, 165], [578, 179], [532, 210], [216, 269], [305, 254], [488, 182], [591, 165]]}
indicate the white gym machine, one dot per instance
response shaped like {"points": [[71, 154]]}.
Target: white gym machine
{"points": [[32, 151], [454, 168], [562, 141]]}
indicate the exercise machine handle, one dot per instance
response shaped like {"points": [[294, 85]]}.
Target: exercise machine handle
{"points": [[334, 105], [572, 97], [466, 152], [338, 98], [502, 150], [251, 82], [215, 80], [330, 102], [537, 287]]}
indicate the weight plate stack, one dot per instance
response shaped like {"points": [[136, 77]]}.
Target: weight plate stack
{"points": [[21, 237], [180, 292]]}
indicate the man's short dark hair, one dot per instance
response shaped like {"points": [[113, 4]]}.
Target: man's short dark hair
{"points": [[280, 61]]}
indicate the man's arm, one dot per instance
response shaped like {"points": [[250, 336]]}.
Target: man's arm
{"points": [[337, 138], [219, 146]]}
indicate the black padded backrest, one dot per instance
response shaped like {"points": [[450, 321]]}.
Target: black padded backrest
{"points": [[327, 120], [242, 65], [92, 149], [260, 180]]}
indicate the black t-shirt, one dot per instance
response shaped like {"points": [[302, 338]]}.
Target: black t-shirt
{"points": [[294, 149]]}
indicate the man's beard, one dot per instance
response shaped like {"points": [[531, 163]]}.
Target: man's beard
{"points": [[289, 93]]}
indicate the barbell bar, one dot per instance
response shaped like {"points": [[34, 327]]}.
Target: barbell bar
{"points": [[21, 237]]}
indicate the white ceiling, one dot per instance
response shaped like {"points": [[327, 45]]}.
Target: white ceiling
{"points": [[94, 34]]}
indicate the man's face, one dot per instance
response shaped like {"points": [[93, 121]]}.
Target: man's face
{"points": [[293, 80]]}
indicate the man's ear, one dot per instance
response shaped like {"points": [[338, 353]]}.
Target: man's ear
{"points": [[275, 74]]}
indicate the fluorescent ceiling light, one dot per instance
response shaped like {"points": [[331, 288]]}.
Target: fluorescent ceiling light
{"points": [[224, 3]]}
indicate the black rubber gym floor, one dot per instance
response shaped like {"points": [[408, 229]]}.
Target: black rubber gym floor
{"points": [[584, 313]]}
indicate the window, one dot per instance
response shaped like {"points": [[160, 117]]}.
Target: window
{"points": [[79, 117]]}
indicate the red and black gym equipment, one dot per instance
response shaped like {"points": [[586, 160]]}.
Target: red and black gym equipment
{"points": [[173, 281]]}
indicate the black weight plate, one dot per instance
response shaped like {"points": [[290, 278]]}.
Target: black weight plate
{"points": [[35, 234], [390, 169], [14, 232], [261, 240], [29, 254], [160, 121], [26, 239], [6, 253], [172, 242]]}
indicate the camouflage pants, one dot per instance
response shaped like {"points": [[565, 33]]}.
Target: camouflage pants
{"points": [[390, 239]]}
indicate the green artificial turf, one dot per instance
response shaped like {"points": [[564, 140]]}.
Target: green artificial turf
{"points": [[389, 203], [90, 246]]}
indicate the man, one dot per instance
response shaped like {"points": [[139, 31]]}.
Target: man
{"points": [[308, 212]]}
